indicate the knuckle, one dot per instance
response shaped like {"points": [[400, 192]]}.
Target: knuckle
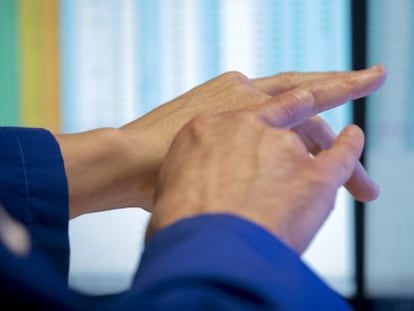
{"points": [[297, 105], [304, 99], [235, 77], [196, 126], [345, 168], [308, 94], [290, 108], [199, 121], [289, 138], [246, 117], [350, 81], [350, 84], [318, 120], [335, 170], [289, 76]]}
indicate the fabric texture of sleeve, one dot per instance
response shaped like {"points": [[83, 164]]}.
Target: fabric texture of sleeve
{"points": [[33, 189], [222, 262]]}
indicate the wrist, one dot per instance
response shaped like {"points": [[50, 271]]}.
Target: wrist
{"points": [[144, 155], [103, 169]]}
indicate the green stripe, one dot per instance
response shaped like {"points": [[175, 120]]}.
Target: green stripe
{"points": [[9, 99]]}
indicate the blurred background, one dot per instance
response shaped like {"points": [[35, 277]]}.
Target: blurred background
{"points": [[75, 65]]}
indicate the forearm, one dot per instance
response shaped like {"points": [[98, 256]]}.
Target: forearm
{"points": [[107, 168]]}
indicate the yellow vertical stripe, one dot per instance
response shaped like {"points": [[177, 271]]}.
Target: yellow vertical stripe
{"points": [[32, 82], [51, 64]]}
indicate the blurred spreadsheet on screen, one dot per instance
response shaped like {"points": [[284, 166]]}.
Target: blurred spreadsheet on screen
{"points": [[390, 152], [120, 59]]}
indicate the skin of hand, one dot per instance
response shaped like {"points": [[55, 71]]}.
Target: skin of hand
{"points": [[235, 163], [113, 168]]}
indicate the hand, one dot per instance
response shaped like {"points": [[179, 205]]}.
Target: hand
{"points": [[285, 97], [234, 163], [113, 168]]}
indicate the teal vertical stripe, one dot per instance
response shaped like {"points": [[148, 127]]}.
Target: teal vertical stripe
{"points": [[209, 18], [149, 54], [9, 84]]}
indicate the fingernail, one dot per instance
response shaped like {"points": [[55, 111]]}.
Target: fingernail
{"points": [[379, 68], [353, 130]]}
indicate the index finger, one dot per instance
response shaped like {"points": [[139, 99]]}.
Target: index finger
{"points": [[292, 107], [285, 81]]}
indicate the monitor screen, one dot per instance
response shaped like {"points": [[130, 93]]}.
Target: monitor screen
{"points": [[389, 254], [130, 56]]}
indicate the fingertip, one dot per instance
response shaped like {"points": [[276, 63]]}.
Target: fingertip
{"points": [[355, 132], [343, 157], [367, 193], [381, 73], [362, 187], [379, 68]]}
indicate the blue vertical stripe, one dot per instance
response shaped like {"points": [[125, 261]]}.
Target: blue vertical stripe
{"points": [[375, 9], [68, 30], [339, 117], [117, 78], [209, 18], [409, 121], [149, 54], [272, 60], [298, 25]]}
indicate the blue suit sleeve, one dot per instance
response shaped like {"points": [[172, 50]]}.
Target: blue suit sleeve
{"points": [[209, 262], [33, 189], [222, 262]]}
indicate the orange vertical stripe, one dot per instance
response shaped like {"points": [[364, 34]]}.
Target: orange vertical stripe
{"points": [[51, 65]]}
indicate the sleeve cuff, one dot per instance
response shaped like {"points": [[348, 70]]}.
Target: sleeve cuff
{"points": [[34, 189], [238, 254]]}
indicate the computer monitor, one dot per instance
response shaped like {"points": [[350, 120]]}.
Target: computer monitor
{"points": [[131, 56], [389, 221]]}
